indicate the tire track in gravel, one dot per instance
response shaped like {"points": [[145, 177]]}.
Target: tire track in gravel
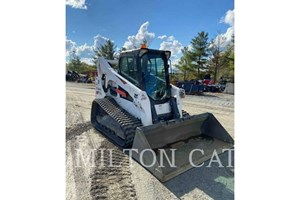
{"points": [[81, 148], [78, 138], [96, 182], [78, 129], [78, 107], [81, 180], [73, 113], [111, 182]]}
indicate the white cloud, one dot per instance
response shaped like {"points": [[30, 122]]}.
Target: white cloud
{"points": [[168, 43], [175, 61], [99, 40], [85, 51], [162, 37], [135, 41], [171, 38], [174, 46], [229, 18], [80, 4], [70, 46], [226, 38]]}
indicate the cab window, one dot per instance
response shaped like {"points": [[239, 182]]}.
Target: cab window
{"points": [[128, 69]]}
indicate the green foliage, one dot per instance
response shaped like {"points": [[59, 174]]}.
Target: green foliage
{"points": [[82, 69], [222, 60], [218, 58], [230, 57], [107, 51], [185, 65], [75, 61], [199, 52], [206, 58], [75, 64]]}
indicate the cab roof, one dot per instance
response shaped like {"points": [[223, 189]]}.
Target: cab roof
{"points": [[136, 52]]}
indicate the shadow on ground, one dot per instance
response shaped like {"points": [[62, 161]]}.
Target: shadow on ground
{"points": [[216, 182]]}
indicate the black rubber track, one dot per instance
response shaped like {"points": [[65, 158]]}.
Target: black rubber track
{"points": [[127, 122]]}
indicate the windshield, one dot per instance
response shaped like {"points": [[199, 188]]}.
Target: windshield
{"points": [[154, 76]]}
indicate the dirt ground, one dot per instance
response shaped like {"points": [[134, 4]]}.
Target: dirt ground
{"points": [[90, 180]]}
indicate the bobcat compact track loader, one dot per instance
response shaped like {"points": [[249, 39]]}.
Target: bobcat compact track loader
{"points": [[137, 107]]}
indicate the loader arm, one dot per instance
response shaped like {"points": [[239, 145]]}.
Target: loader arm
{"points": [[127, 95]]}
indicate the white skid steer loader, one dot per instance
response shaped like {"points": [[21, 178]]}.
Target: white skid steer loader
{"points": [[137, 107]]}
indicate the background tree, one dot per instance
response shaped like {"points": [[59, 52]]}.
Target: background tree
{"points": [[75, 62], [184, 64], [199, 52], [222, 59], [107, 51], [230, 57], [218, 59]]}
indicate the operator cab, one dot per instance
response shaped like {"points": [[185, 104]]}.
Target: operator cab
{"points": [[147, 69]]}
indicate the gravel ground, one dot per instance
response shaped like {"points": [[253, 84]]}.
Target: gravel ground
{"points": [[90, 180]]}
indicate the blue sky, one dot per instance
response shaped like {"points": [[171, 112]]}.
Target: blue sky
{"points": [[91, 22]]}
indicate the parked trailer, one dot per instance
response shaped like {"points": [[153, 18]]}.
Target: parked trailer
{"points": [[191, 87]]}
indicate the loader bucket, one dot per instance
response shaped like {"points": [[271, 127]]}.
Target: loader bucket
{"points": [[187, 137]]}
